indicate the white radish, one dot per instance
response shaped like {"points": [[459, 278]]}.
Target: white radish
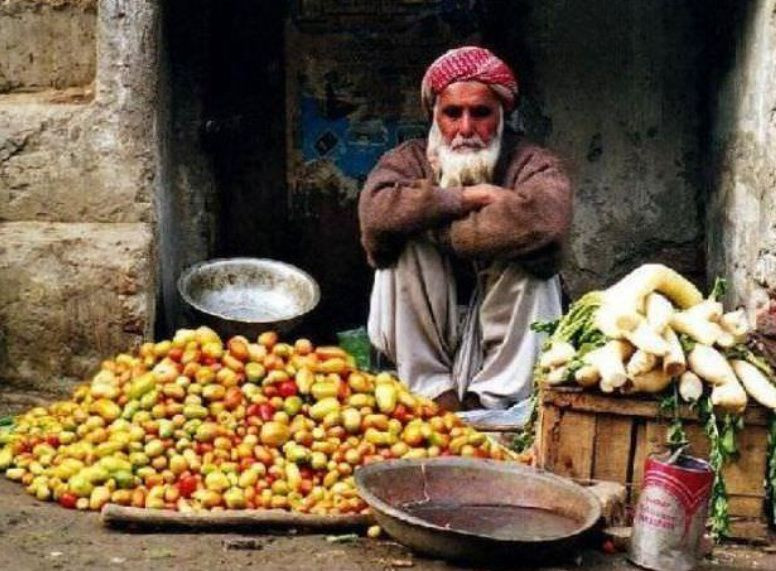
{"points": [[648, 278], [606, 386], [659, 312], [712, 367], [559, 353], [623, 302], [556, 376], [609, 360], [653, 381], [646, 339], [587, 376], [690, 387], [735, 323], [641, 362], [674, 362], [615, 323], [756, 383], [727, 340], [730, 398], [702, 330], [708, 310]]}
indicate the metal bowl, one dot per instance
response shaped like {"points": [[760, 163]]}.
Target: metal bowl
{"points": [[247, 296], [478, 510]]}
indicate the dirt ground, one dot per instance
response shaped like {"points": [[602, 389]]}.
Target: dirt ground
{"points": [[36, 535]]}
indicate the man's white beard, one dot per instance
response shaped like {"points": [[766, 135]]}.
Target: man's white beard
{"points": [[463, 162]]}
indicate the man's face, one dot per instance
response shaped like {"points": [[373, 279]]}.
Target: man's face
{"points": [[468, 114]]}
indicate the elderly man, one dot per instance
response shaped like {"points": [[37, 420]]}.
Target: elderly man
{"points": [[465, 232]]}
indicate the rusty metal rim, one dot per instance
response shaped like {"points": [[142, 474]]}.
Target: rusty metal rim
{"points": [[188, 272], [376, 503]]}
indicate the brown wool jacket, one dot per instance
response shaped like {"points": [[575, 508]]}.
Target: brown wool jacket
{"points": [[529, 225]]}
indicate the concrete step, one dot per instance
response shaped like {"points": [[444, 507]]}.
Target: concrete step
{"points": [[45, 44], [71, 296]]}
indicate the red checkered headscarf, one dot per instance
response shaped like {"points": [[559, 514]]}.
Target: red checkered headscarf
{"points": [[469, 63]]}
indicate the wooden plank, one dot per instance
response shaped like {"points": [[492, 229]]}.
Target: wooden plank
{"points": [[744, 477], [646, 406], [751, 531], [547, 438], [699, 443], [113, 515], [656, 434], [575, 445], [613, 500], [612, 448], [637, 466], [746, 506]]}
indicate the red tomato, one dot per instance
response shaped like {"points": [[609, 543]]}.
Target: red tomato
{"points": [[176, 353], [402, 414], [287, 389], [187, 486], [305, 487], [53, 440], [68, 500], [343, 392], [270, 391], [266, 411], [234, 398], [246, 463], [306, 472], [202, 447]]}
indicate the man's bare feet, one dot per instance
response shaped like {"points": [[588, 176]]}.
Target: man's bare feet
{"points": [[448, 401]]}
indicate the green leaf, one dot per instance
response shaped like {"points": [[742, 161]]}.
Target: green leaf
{"points": [[718, 289], [718, 514], [770, 477], [548, 327], [687, 342], [729, 443]]}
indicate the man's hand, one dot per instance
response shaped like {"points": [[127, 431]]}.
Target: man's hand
{"points": [[479, 195], [448, 401]]}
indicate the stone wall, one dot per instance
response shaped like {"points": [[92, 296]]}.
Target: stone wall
{"points": [[47, 43], [615, 88], [77, 185], [742, 178]]}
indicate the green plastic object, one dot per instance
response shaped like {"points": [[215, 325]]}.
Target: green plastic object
{"points": [[356, 342]]}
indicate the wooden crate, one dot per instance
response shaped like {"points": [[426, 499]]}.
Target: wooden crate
{"points": [[589, 435]]}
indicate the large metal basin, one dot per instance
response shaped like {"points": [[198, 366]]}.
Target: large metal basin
{"points": [[478, 510], [247, 296]]}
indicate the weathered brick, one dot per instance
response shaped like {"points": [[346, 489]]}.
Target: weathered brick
{"points": [[64, 304], [62, 163], [47, 43]]}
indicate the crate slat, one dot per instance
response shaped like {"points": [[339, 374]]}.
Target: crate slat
{"points": [[575, 447], [612, 448], [591, 435]]}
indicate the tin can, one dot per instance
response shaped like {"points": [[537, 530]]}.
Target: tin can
{"points": [[671, 513]]}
